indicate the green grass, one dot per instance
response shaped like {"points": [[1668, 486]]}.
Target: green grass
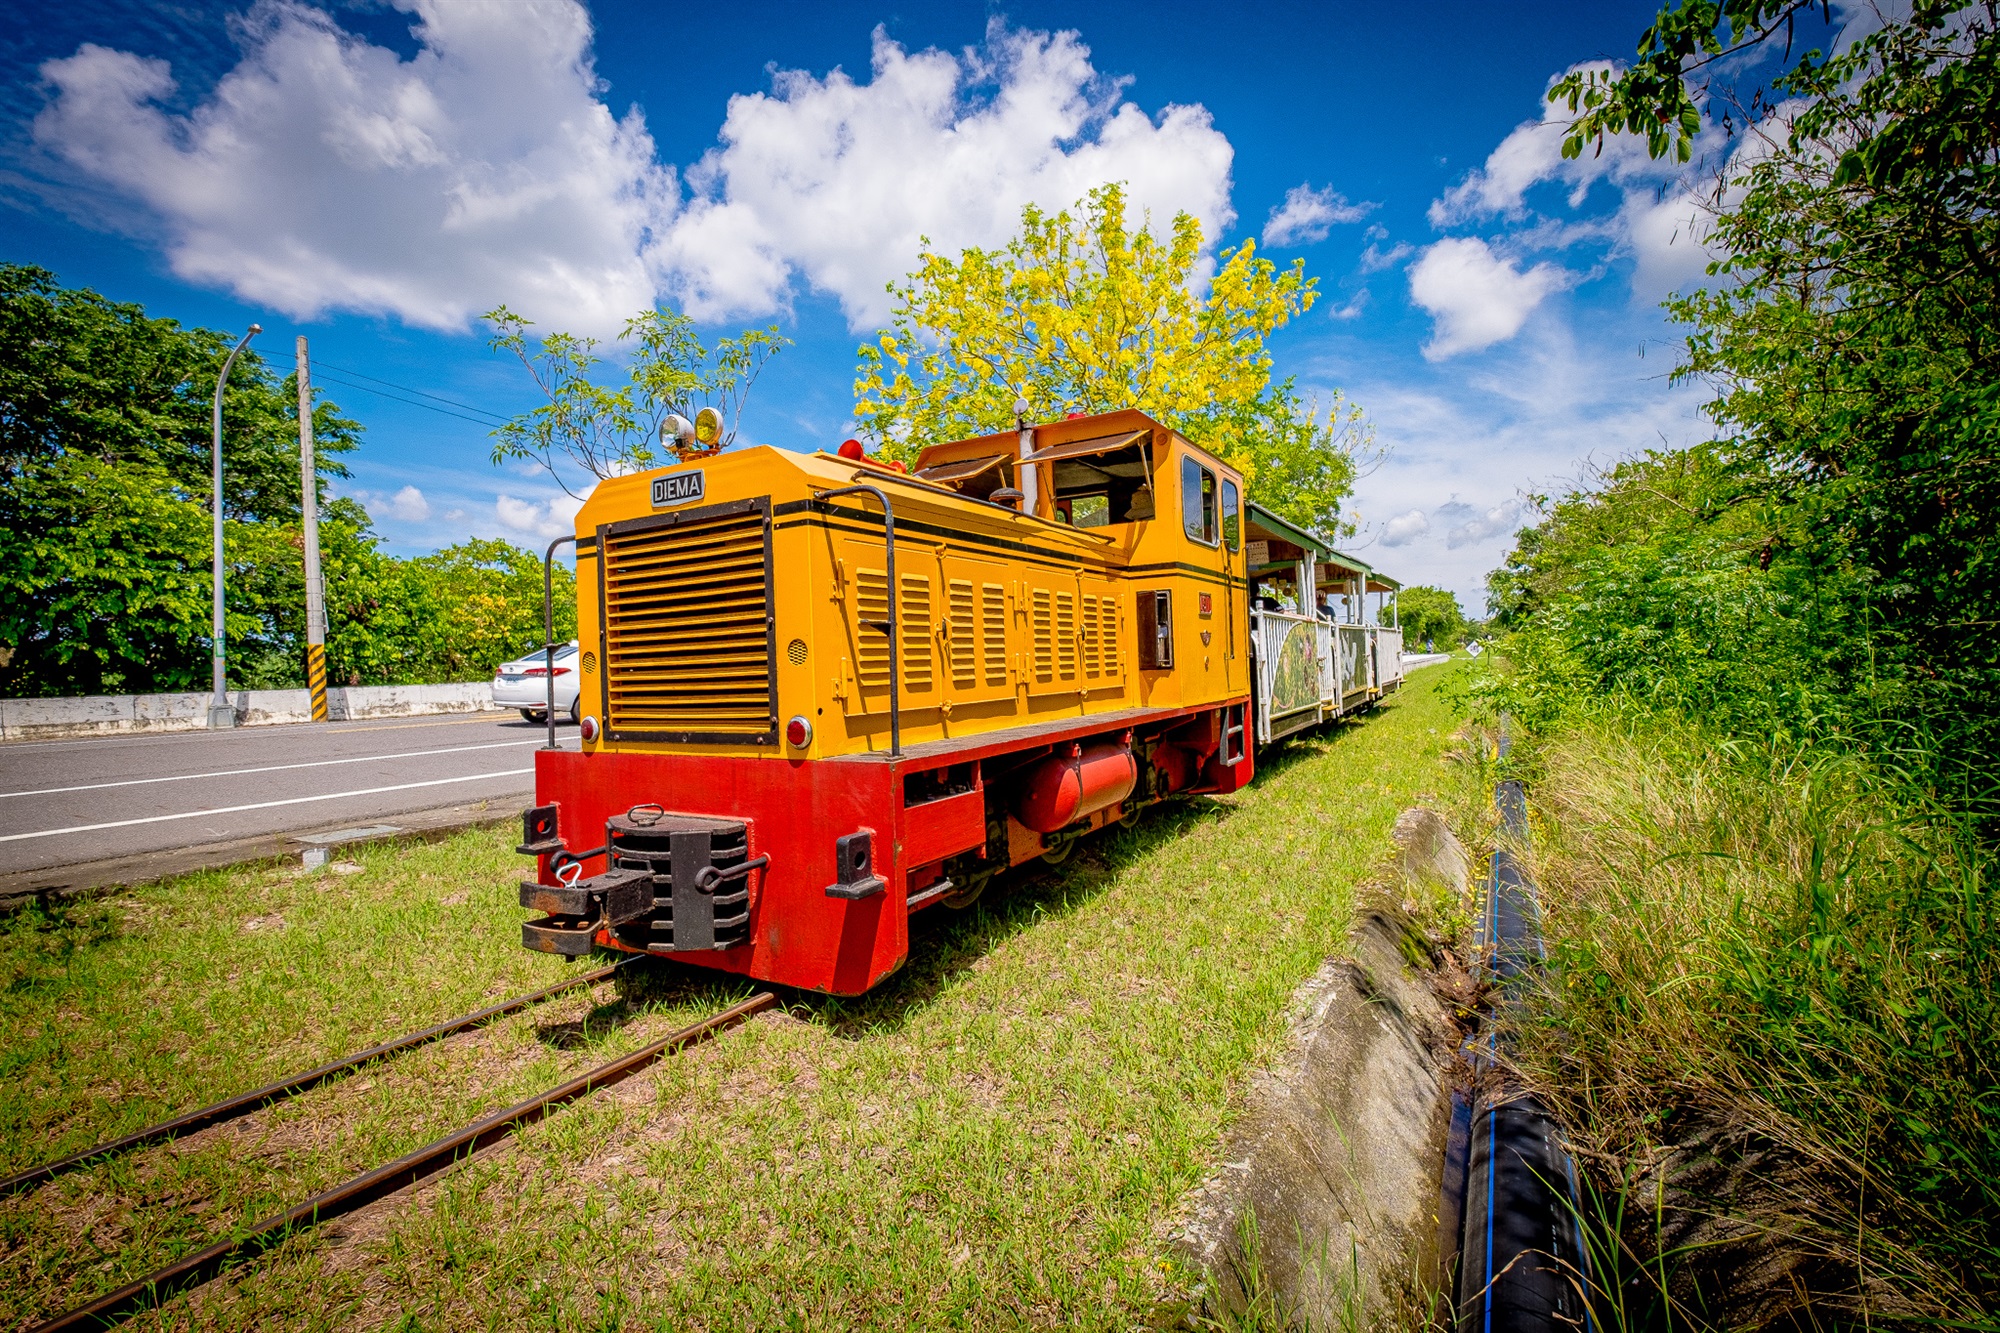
{"points": [[1775, 950], [1000, 1136]]}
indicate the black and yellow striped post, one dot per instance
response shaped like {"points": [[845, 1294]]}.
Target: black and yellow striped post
{"points": [[316, 679], [309, 515]]}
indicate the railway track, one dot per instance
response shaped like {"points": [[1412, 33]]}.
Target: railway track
{"points": [[192, 1270], [258, 1098]]}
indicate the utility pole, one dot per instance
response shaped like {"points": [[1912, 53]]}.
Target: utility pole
{"points": [[309, 508], [221, 713]]}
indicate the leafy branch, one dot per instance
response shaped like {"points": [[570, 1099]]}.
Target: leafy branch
{"points": [[608, 431]]}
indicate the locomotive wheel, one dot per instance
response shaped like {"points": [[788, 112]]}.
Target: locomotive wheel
{"points": [[960, 899], [1059, 848]]}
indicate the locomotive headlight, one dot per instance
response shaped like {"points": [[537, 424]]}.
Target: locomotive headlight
{"points": [[798, 733], [708, 427], [676, 429], [587, 729]]}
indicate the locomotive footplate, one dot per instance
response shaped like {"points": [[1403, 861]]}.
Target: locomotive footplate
{"points": [[699, 870]]}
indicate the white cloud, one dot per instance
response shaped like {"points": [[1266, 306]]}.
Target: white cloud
{"points": [[1551, 406], [408, 505], [1405, 528], [838, 181], [1476, 297], [1661, 222], [1532, 153], [546, 519], [1352, 308], [1471, 525], [1307, 215], [327, 173], [1374, 259]]}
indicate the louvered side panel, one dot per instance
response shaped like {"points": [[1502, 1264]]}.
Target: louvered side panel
{"points": [[993, 632], [1066, 635], [1107, 610], [962, 626], [1087, 639], [871, 627], [687, 627], [1041, 616], [914, 627]]}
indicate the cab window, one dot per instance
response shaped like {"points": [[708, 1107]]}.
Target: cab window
{"points": [[1197, 501], [1232, 524]]}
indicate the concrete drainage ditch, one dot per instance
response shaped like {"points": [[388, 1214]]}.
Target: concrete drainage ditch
{"points": [[1389, 1172], [1325, 1211]]}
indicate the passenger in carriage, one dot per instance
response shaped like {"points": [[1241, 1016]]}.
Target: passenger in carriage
{"points": [[1273, 594]]}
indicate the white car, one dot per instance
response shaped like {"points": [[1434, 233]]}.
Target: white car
{"points": [[524, 683]]}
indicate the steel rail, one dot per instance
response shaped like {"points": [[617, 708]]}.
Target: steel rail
{"points": [[195, 1269], [244, 1103]]}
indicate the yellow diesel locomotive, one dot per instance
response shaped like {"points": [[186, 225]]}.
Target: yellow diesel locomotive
{"points": [[820, 693]]}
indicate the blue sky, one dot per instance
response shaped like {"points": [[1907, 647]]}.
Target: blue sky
{"points": [[374, 176]]}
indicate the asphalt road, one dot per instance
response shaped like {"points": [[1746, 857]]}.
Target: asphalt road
{"points": [[64, 803]]}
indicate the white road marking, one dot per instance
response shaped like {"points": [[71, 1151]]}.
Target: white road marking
{"points": [[260, 805], [268, 768]]}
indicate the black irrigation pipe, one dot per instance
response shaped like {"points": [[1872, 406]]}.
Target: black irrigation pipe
{"points": [[244, 1103], [1523, 1267], [197, 1268]]}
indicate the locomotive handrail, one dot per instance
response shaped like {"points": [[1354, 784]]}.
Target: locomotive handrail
{"points": [[894, 597], [549, 629]]}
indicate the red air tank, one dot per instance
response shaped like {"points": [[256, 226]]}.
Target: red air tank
{"points": [[1073, 782]]}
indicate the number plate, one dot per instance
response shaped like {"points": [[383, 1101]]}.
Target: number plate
{"points": [[677, 488]]}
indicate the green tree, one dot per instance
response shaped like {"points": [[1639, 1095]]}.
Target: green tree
{"points": [[1852, 340], [1430, 615], [105, 492], [1656, 588], [452, 615], [81, 375], [605, 431], [1083, 313]]}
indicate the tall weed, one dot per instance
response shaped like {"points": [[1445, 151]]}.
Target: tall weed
{"points": [[1774, 948]]}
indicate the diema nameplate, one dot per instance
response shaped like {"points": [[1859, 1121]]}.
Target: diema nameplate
{"points": [[677, 488]]}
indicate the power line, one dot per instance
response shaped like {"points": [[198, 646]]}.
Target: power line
{"points": [[421, 393], [483, 419]]}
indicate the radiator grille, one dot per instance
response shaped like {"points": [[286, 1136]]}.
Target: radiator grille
{"points": [[687, 627]]}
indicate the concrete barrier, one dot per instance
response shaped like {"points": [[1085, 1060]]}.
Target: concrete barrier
{"points": [[110, 714], [359, 701]]}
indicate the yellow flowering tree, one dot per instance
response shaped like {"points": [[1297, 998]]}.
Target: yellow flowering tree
{"points": [[1082, 313]]}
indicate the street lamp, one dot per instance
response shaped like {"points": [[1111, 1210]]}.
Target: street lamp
{"points": [[221, 713]]}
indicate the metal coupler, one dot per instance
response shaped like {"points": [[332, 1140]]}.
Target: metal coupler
{"points": [[579, 908]]}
